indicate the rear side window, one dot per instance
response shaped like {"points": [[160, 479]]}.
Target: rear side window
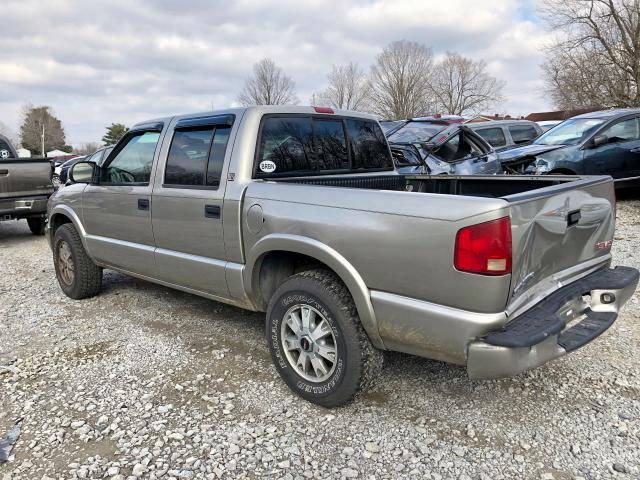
{"points": [[196, 156], [493, 136], [523, 133], [5, 149], [301, 145]]}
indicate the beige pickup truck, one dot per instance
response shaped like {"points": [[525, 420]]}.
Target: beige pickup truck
{"points": [[299, 212]]}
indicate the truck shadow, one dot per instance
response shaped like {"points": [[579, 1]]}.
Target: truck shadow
{"points": [[13, 232]]}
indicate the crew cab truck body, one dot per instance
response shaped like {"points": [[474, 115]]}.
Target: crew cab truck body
{"points": [[297, 211], [25, 187]]}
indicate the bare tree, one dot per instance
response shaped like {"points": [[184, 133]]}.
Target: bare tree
{"points": [[268, 86], [595, 62], [86, 148], [461, 85], [400, 80], [348, 88]]}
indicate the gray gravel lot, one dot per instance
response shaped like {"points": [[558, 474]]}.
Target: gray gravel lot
{"points": [[146, 382]]}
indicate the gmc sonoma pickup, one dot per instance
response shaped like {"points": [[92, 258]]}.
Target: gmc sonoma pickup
{"points": [[298, 211], [25, 187]]}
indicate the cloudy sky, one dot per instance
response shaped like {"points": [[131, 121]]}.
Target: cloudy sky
{"points": [[123, 61]]}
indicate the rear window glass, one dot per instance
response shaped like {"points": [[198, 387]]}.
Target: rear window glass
{"points": [[523, 133], [369, 149], [493, 136], [300, 145]]}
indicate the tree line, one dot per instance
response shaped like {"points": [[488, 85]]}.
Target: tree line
{"points": [[404, 81]]}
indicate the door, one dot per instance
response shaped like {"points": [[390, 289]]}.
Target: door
{"points": [[618, 154], [468, 154], [116, 209], [188, 203]]}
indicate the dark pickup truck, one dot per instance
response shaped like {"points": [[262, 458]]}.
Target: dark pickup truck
{"points": [[25, 187]]}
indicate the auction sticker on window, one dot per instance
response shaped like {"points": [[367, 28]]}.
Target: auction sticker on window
{"points": [[267, 166], [5, 154]]}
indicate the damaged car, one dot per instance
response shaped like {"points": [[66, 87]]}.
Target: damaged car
{"points": [[596, 143], [440, 146]]}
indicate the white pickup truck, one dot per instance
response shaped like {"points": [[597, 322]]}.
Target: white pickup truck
{"points": [[298, 211]]}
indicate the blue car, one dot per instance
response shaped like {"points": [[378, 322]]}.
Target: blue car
{"points": [[597, 143]]}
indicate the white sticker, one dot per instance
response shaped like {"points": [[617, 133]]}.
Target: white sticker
{"points": [[4, 153], [267, 166]]}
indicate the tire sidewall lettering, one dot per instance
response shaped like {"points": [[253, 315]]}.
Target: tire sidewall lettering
{"points": [[281, 362]]}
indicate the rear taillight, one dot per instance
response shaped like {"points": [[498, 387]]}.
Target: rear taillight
{"points": [[484, 248]]}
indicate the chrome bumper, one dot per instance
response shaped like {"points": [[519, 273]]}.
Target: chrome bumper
{"points": [[568, 319]]}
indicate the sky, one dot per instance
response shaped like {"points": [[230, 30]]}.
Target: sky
{"points": [[125, 61]]}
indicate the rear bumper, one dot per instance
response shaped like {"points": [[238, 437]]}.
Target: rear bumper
{"points": [[566, 320], [23, 207]]}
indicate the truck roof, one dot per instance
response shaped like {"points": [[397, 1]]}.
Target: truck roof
{"points": [[264, 109]]}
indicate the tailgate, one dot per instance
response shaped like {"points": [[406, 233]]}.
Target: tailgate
{"points": [[24, 178], [560, 234]]}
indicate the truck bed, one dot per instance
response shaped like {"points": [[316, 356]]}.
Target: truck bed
{"points": [[547, 249]]}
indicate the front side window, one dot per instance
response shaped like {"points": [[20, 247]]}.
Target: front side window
{"points": [[132, 164], [625, 131], [493, 136], [522, 133]]}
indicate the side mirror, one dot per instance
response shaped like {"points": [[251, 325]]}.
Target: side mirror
{"points": [[598, 140], [82, 172]]}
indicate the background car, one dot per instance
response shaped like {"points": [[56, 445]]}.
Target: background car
{"points": [[548, 124], [96, 157], [596, 143], [441, 146], [503, 134]]}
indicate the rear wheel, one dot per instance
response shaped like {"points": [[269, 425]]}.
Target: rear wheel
{"points": [[36, 225], [77, 275], [316, 339]]}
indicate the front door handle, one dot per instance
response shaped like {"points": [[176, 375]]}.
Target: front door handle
{"points": [[4, 172], [212, 211], [635, 150], [143, 204]]}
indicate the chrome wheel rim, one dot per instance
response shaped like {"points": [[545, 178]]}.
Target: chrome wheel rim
{"points": [[66, 267], [309, 343]]}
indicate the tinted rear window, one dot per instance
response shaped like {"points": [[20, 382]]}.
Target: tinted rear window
{"points": [[523, 133], [301, 145]]}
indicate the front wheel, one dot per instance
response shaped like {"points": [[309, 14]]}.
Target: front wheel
{"points": [[317, 342], [77, 275]]}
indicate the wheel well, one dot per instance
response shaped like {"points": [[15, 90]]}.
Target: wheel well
{"points": [[276, 266], [57, 221], [561, 171]]}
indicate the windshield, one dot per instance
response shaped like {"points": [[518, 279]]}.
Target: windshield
{"points": [[570, 132], [414, 132]]}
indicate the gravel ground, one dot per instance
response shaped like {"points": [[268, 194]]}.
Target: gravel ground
{"points": [[146, 382]]}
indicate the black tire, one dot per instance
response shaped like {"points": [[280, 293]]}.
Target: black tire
{"points": [[36, 225], [357, 361], [86, 280]]}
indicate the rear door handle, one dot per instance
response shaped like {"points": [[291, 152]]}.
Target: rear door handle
{"points": [[635, 150], [143, 204], [212, 211], [4, 172]]}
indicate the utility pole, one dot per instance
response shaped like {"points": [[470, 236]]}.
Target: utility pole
{"points": [[42, 139]]}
